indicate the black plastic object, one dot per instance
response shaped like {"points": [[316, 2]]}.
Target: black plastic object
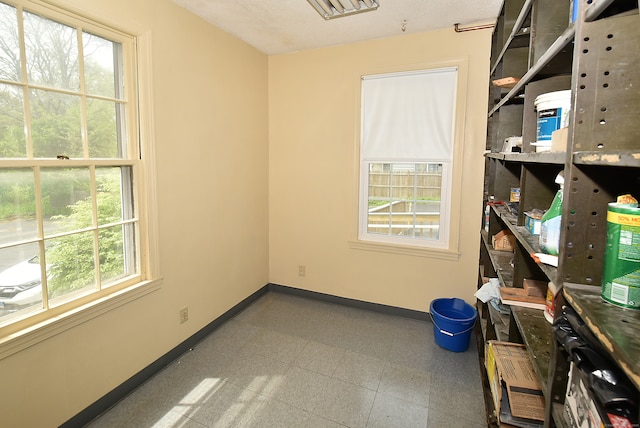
{"points": [[610, 388]]}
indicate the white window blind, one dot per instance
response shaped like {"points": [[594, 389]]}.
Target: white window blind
{"points": [[408, 116]]}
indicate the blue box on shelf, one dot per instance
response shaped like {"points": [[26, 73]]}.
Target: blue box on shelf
{"points": [[532, 222]]}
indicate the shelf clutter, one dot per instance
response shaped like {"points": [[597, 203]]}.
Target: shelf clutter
{"points": [[564, 98], [533, 294], [514, 386]]}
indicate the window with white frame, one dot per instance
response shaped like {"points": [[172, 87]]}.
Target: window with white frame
{"points": [[406, 157], [70, 162]]}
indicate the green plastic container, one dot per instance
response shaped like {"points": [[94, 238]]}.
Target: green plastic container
{"points": [[621, 270], [550, 225]]}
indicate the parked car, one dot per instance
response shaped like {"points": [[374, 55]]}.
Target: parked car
{"points": [[20, 284]]}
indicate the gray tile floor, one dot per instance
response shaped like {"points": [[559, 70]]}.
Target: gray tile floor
{"points": [[288, 361]]}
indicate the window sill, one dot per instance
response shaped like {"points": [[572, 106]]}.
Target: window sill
{"points": [[23, 339], [434, 253]]}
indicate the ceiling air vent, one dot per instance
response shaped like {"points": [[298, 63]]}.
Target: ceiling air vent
{"points": [[330, 9]]}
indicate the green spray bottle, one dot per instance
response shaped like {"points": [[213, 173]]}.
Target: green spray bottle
{"points": [[550, 224]]}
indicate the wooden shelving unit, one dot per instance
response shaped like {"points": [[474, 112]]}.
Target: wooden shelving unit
{"points": [[595, 56]]}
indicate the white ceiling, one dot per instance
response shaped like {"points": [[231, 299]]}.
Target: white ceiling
{"points": [[281, 26]]}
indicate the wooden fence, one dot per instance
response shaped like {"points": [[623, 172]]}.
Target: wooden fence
{"points": [[402, 185], [405, 219]]}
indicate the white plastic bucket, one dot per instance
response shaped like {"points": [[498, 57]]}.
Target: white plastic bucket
{"points": [[553, 113]]}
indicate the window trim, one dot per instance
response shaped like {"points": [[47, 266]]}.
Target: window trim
{"points": [[39, 325], [54, 325], [450, 251]]}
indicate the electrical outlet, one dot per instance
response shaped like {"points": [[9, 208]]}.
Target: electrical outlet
{"points": [[184, 315], [302, 270]]}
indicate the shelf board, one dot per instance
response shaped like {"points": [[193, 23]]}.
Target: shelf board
{"points": [[532, 244], [521, 40], [536, 334], [501, 261], [557, 158], [500, 323], [616, 327], [499, 156], [553, 50], [624, 158], [509, 219]]}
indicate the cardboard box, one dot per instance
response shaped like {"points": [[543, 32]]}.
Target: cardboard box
{"points": [[559, 140], [503, 241], [527, 298], [533, 287], [512, 377], [532, 222]]}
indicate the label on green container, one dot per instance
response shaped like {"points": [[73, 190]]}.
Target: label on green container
{"points": [[550, 226], [621, 270]]}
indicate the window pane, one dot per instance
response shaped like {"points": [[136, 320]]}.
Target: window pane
{"points": [[105, 126], [110, 194], [9, 46], [17, 206], [52, 53], [404, 199], [66, 199], [117, 258], [378, 199], [428, 199], [20, 279], [101, 66], [12, 138], [71, 267], [55, 125]]}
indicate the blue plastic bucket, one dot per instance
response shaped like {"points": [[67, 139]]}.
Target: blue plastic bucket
{"points": [[453, 321]]}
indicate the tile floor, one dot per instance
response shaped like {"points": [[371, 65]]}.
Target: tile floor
{"points": [[288, 361]]}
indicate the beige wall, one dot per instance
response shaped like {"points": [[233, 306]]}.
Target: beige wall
{"points": [[225, 115], [313, 125], [210, 115]]}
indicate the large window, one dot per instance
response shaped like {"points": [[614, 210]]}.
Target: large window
{"points": [[70, 162], [406, 157]]}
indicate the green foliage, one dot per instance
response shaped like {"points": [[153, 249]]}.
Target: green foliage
{"points": [[101, 128], [71, 258], [17, 193], [55, 125], [71, 264], [12, 135], [17, 201]]}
